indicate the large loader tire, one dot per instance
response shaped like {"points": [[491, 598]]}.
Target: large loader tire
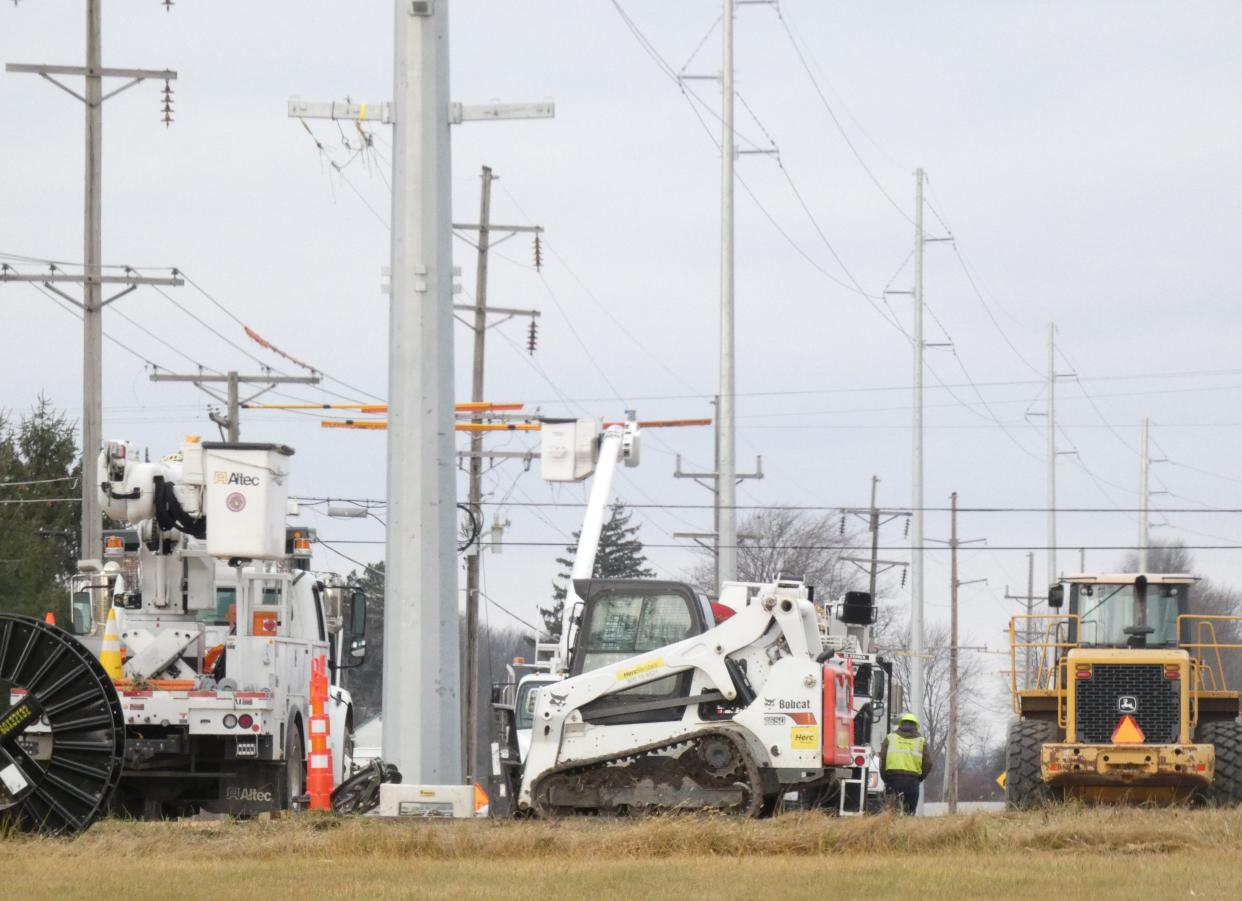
{"points": [[1226, 737], [1024, 789]]}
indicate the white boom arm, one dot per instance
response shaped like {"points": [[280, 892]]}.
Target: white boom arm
{"points": [[618, 442]]}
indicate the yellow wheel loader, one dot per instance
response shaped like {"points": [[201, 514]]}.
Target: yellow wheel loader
{"points": [[1122, 696]]}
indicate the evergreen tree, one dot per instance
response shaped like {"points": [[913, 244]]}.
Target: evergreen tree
{"points": [[620, 556], [39, 528]]}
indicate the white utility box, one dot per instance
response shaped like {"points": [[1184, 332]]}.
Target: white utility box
{"points": [[246, 495], [567, 449], [435, 801]]}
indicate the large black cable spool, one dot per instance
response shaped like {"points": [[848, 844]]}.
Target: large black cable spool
{"points": [[62, 731]]}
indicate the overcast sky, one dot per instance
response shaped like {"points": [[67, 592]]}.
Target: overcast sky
{"points": [[1084, 156]]}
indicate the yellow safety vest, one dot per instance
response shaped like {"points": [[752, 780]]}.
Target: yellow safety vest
{"points": [[905, 755]]}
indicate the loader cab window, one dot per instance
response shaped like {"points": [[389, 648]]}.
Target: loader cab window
{"points": [[622, 625], [524, 704], [1106, 611], [623, 621]]}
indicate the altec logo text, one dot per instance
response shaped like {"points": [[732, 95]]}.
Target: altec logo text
{"points": [[234, 478]]}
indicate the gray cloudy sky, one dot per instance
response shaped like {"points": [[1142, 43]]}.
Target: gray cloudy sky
{"points": [[1083, 154]]}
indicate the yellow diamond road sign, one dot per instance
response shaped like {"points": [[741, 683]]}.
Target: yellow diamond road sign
{"points": [[1000, 780]]}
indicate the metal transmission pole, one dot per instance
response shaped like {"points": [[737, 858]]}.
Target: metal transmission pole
{"points": [[916, 501], [421, 661], [951, 749], [476, 455], [232, 398], [1052, 455], [726, 556], [1144, 495], [92, 278], [421, 683]]}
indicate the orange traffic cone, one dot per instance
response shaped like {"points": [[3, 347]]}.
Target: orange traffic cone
{"points": [[319, 773], [49, 618]]}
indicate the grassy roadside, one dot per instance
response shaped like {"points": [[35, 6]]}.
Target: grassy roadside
{"points": [[1072, 853]]}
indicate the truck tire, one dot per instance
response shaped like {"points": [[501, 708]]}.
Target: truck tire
{"points": [[1024, 788], [295, 766], [1226, 737]]}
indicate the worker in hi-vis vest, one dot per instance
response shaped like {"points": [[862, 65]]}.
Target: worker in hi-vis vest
{"points": [[904, 762]]}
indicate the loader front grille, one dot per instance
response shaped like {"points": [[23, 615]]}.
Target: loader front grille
{"points": [[1098, 704]]}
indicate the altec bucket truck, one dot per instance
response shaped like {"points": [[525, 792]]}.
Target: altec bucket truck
{"points": [[206, 620]]}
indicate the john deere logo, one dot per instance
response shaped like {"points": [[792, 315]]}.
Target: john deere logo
{"points": [[1127, 704]]}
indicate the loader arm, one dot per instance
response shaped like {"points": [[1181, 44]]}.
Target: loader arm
{"points": [[713, 656]]}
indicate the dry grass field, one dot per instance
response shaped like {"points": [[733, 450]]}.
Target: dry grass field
{"points": [[1061, 854]]}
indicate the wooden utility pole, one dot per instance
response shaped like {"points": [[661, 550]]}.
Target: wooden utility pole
{"points": [[1030, 631], [92, 278], [475, 495], [475, 457], [232, 399], [875, 517], [951, 750]]}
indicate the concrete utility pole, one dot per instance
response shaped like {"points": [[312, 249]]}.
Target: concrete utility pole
{"points": [[1144, 496], [916, 501], [951, 750], [231, 423], [726, 559], [476, 455], [92, 278]]}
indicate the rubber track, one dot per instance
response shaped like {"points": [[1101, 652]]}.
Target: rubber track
{"points": [[754, 808], [1024, 787]]}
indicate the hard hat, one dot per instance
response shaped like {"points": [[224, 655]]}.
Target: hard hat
{"points": [[909, 718]]}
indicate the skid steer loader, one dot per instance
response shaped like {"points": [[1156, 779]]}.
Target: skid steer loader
{"points": [[660, 713]]}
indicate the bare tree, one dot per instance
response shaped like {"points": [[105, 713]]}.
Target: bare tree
{"points": [[790, 544]]}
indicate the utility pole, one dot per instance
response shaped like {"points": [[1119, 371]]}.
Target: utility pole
{"points": [[916, 501], [726, 555], [1029, 630], [232, 398], [712, 481], [1144, 495], [951, 751], [475, 461], [875, 517], [92, 278], [422, 682], [1051, 425]]}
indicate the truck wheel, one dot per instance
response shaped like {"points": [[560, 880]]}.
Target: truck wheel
{"points": [[1226, 737], [295, 765], [1024, 788]]}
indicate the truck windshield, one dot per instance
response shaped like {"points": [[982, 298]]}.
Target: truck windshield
{"points": [[1106, 611]]}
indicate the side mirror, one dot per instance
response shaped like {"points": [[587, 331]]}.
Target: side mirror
{"points": [[81, 620], [877, 686], [1056, 596], [858, 608], [358, 614]]}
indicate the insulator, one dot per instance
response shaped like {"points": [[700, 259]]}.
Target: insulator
{"points": [[904, 570], [538, 255], [842, 523], [532, 336], [167, 4], [906, 533]]}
